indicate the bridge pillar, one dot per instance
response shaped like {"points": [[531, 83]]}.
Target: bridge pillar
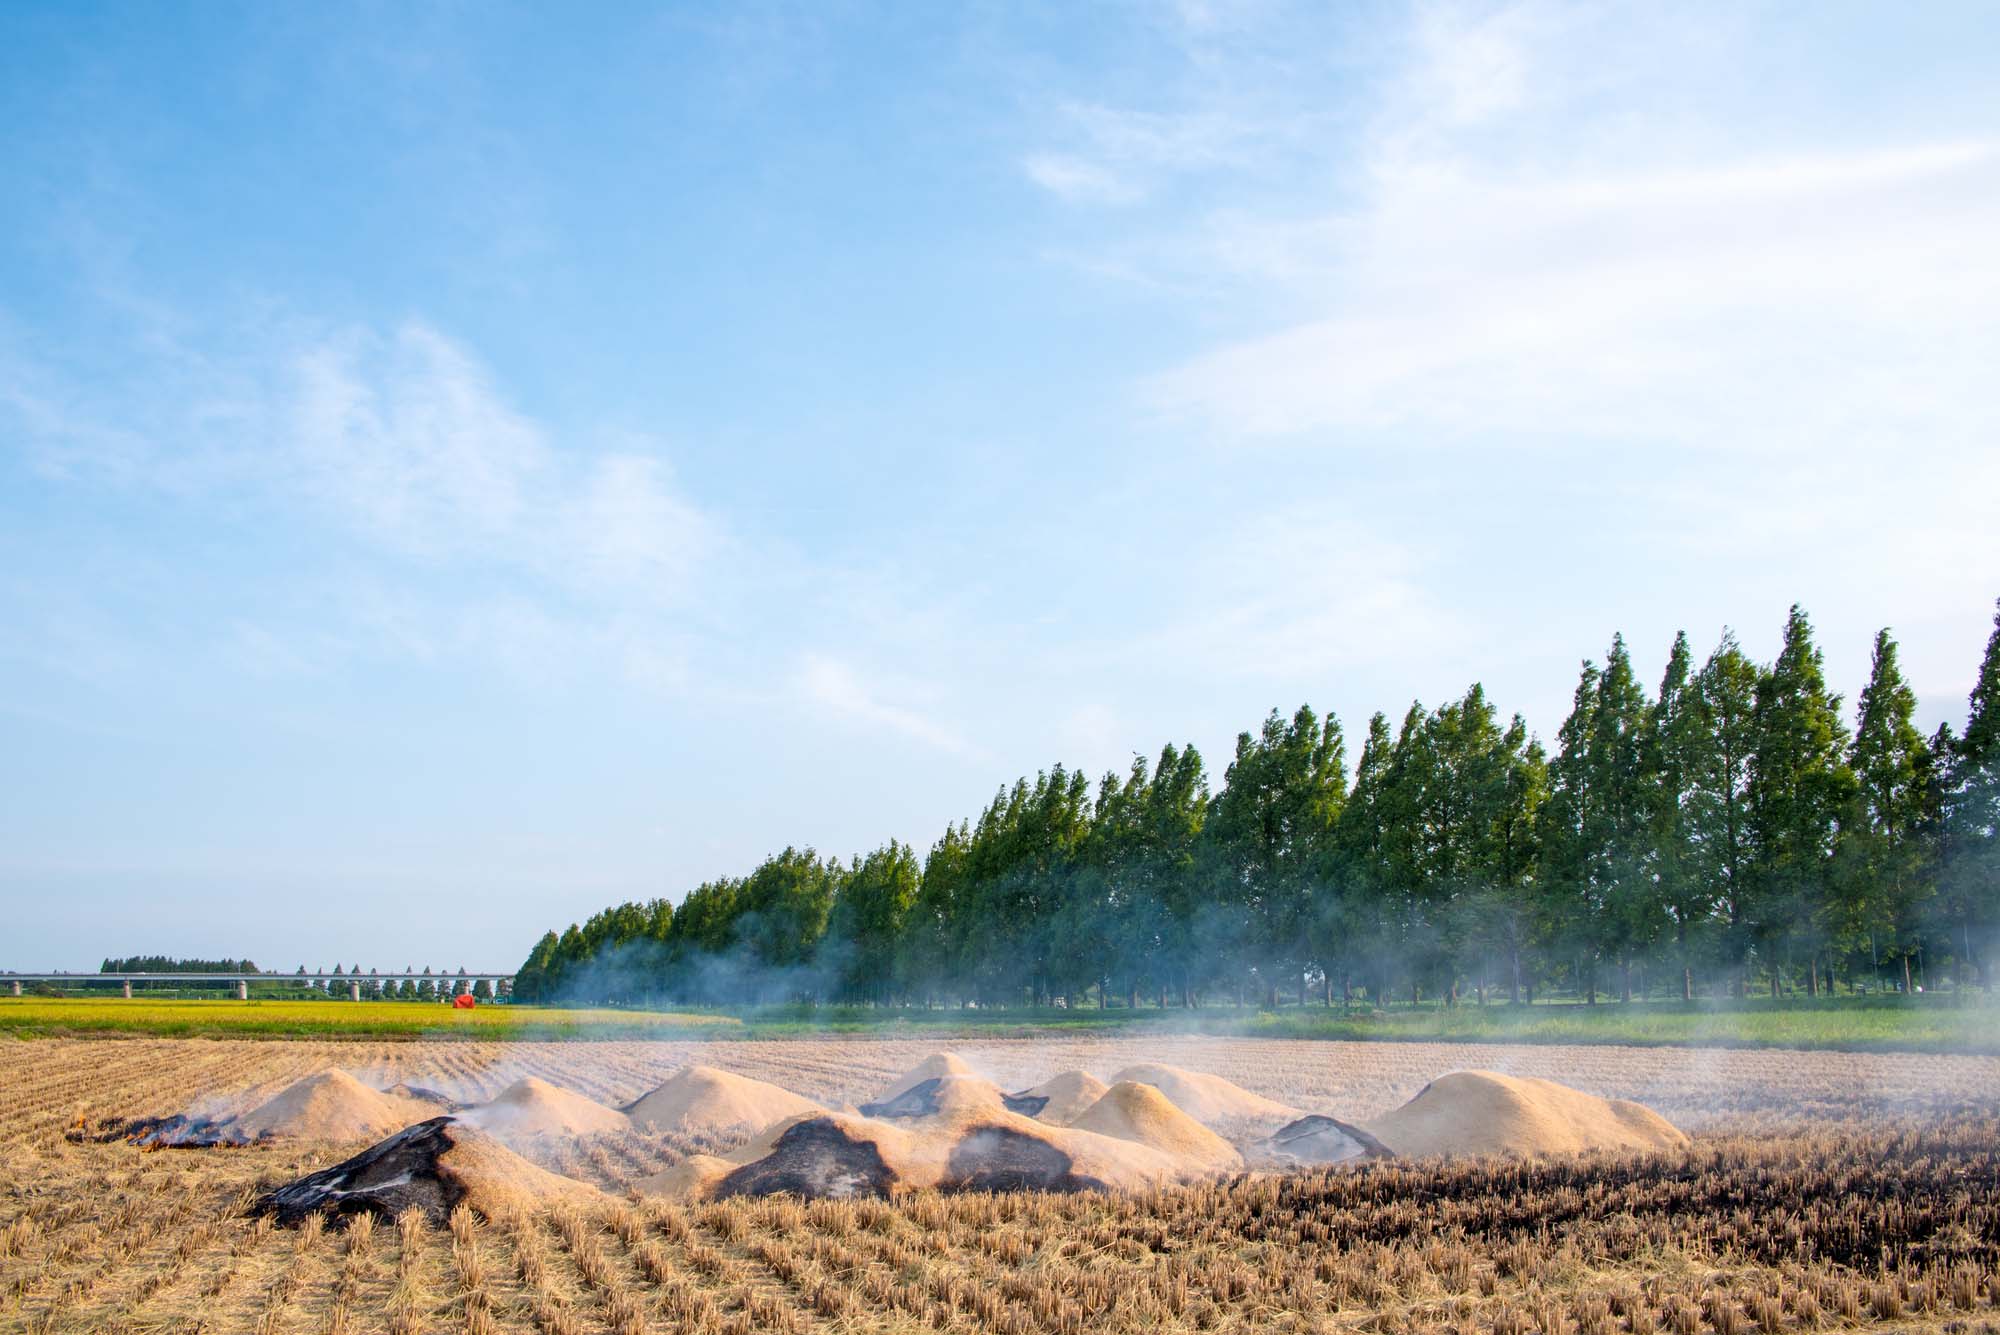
{"points": [[128, 989], [243, 989], [354, 991], [17, 989]]}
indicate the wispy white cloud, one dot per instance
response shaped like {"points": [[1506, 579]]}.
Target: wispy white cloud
{"points": [[449, 522], [407, 439], [1078, 178], [1299, 594], [1747, 305], [832, 685]]}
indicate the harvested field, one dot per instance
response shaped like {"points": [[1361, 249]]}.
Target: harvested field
{"points": [[1821, 1191]]}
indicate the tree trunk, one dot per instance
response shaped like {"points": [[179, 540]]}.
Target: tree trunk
{"points": [[1625, 980]]}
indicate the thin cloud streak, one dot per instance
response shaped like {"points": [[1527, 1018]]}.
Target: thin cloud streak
{"points": [[830, 684]]}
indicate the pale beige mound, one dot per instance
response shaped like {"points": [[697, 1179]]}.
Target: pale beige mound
{"points": [[1141, 1113], [433, 1166], [534, 1107], [951, 1097], [496, 1181], [702, 1100], [969, 1145], [1484, 1112], [934, 1067], [331, 1105], [1211, 1100], [1065, 1096]]}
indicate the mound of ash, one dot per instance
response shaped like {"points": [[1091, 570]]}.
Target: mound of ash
{"points": [[1211, 1100], [1486, 1113], [532, 1107], [1060, 1097], [1320, 1140], [720, 1105], [434, 1167]]}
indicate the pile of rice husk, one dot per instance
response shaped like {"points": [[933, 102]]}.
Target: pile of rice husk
{"points": [[952, 1133], [954, 1096], [331, 1105], [534, 1107], [1317, 1139], [703, 1101], [934, 1067], [1142, 1114], [434, 1167], [1212, 1101], [1484, 1112], [1062, 1096]]}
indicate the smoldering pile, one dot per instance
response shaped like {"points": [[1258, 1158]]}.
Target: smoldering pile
{"points": [[328, 1105], [434, 1167], [940, 1126], [943, 1127]]}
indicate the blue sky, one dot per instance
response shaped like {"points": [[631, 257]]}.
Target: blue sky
{"points": [[464, 465]]}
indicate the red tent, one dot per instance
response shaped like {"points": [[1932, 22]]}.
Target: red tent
{"points": [[464, 1001]]}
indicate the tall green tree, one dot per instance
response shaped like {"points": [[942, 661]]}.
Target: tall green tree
{"points": [[1674, 753], [1799, 787], [783, 910], [869, 919], [1271, 828], [1599, 808], [1357, 869], [930, 956], [1502, 906], [1884, 873], [1454, 811], [1168, 869], [1724, 836], [1970, 880]]}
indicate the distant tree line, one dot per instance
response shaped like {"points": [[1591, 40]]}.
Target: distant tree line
{"points": [[429, 985], [166, 964], [1723, 833], [426, 987]]}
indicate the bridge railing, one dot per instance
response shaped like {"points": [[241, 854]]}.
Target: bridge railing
{"points": [[354, 981]]}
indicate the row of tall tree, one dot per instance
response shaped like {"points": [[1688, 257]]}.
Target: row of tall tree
{"points": [[422, 988], [170, 964], [1725, 832]]}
